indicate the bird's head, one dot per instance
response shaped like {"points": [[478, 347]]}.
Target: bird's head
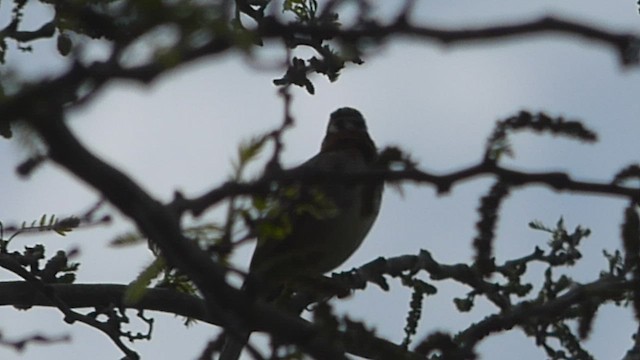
{"points": [[347, 129]]}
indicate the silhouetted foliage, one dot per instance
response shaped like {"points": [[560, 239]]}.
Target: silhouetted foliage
{"points": [[189, 276]]}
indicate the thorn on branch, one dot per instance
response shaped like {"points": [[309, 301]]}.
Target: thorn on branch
{"points": [[629, 172]]}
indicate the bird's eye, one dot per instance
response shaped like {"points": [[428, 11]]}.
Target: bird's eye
{"points": [[354, 124], [346, 119], [349, 124]]}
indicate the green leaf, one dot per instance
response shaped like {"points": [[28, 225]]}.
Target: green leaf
{"points": [[130, 238], [138, 287], [250, 149], [62, 227]]}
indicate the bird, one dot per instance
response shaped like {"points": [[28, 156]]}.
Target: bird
{"points": [[328, 227]]}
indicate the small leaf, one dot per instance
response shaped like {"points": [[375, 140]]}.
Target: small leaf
{"points": [[66, 225], [137, 288], [130, 238], [249, 150], [67, 278], [463, 305], [64, 44]]}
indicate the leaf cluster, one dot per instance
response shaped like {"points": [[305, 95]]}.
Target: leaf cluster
{"points": [[56, 269], [193, 258]]}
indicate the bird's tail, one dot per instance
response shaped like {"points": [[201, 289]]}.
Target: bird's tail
{"points": [[233, 346]]}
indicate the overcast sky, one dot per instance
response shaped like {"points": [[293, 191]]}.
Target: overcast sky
{"points": [[438, 103]]}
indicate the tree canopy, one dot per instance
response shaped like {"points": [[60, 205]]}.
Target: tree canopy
{"points": [[486, 231]]}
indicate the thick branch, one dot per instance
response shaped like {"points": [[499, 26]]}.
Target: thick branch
{"points": [[605, 288], [161, 225], [45, 31], [627, 45], [17, 293], [70, 316], [557, 180]]}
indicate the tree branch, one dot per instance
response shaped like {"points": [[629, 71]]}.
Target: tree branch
{"points": [[45, 31], [527, 311], [70, 316], [161, 225], [627, 45], [22, 294], [18, 293], [556, 180]]}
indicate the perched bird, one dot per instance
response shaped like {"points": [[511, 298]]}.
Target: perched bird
{"points": [[322, 239]]}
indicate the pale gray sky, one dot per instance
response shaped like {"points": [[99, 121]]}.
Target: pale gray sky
{"points": [[439, 103]]}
